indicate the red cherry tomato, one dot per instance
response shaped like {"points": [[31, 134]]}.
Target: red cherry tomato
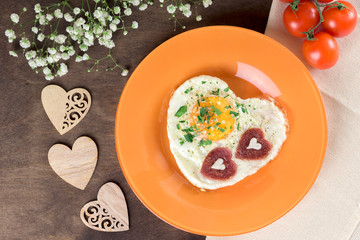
{"points": [[321, 53], [340, 23], [305, 18], [325, 1]]}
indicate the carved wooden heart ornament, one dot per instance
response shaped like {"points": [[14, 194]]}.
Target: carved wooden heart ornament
{"points": [[109, 212], [65, 109], [75, 165]]}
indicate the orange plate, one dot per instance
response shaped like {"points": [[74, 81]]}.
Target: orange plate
{"points": [[143, 147]]}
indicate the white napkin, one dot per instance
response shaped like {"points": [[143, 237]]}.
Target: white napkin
{"points": [[331, 209]]}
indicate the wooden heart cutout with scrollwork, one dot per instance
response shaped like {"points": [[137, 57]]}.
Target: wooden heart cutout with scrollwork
{"points": [[65, 109], [109, 212]]}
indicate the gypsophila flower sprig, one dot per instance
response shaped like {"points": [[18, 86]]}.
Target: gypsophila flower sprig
{"points": [[95, 22], [182, 7]]}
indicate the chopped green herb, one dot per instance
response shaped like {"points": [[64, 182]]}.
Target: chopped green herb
{"points": [[203, 111], [244, 110], [189, 137], [254, 108], [188, 90], [226, 96], [227, 107], [217, 124], [201, 119], [217, 111], [208, 127], [203, 82], [182, 141], [178, 126], [238, 126], [234, 113], [216, 92], [181, 111], [222, 129], [230, 127], [237, 104], [198, 103], [201, 95], [226, 89], [182, 121], [205, 142], [188, 130]]}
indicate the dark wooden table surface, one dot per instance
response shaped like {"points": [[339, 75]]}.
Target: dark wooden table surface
{"points": [[34, 202]]}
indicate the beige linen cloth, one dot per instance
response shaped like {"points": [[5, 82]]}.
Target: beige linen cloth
{"points": [[331, 209]]}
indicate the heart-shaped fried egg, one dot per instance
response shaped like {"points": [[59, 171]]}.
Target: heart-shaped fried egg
{"points": [[217, 138]]}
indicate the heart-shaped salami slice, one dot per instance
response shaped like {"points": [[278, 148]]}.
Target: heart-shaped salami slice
{"points": [[218, 164], [253, 145]]}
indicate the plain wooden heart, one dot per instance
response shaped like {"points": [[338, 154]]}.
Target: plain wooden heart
{"points": [[75, 166], [65, 109], [109, 212]]}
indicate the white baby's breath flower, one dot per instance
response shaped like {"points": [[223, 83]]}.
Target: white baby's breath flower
{"points": [[207, 3], [143, 7], [113, 27], [63, 69], [24, 43], [171, 8], [10, 34], [51, 50], [125, 32], [198, 18], [60, 39], [76, 11], [78, 58], [30, 55], [85, 57], [135, 2], [32, 64], [89, 35], [68, 17], [49, 17], [47, 71], [86, 27], [124, 72], [42, 20], [101, 41], [58, 14], [109, 44], [83, 47], [41, 37], [187, 13], [71, 51], [161, 1], [49, 77], [40, 61], [98, 30], [96, 1], [116, 21], [69, 29], [135, 24], [14, 18], [117, 10], [79, 22], [13, 54], [35, 30], [37, 8], [65, 56], [127, 12], [88, 42], [62, 48], [107, 34], [56, 57]]}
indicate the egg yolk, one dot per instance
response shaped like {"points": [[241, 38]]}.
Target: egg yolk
{"points": [[211, 118]]}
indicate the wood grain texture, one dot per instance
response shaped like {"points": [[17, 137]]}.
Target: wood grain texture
{"points": [[109, 212], [31, 194], [65, 109], [75, 166]]}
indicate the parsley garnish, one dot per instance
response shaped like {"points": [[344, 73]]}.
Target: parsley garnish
{"points": [[226, 96], [205, 142], [234, 113], [217, 111], [238, 126], [203, 82], [188, 90], [181, 111], [178, 126], [217, 124], [237, 105], [216, 92], [244, 110], [201, 119], [188, 130], [198, 102], [222, 129], [203, 111], [227, 107], [189, 137], [182, 141], [226, 89]]}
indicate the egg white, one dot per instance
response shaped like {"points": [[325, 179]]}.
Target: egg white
{"points": [[260, 113]]}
